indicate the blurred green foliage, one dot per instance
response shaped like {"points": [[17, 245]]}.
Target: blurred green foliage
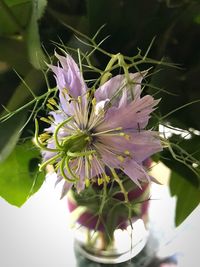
{"points": [[29, 31]]}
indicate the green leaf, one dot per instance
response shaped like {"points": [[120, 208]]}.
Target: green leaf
{"points": [[188, 150], [10, 133], [13, 52], [188, 197], [36, 54], [19, 176], [14, 16]]}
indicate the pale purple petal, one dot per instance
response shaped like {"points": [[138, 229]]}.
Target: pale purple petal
{"points": [[135, 171], [134, 115], [48, 154], [66, 187], [69, 82], [108, 157], [97, 167], [73, 79], [58, 118], [113, 88], [141, 145]]}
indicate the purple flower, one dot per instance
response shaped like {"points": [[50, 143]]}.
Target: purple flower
{"points": [[91, 131]]}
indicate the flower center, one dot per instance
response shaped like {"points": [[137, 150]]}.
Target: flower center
{"points": [[76, 143]]}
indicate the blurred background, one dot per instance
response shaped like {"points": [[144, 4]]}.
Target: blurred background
{"points": [[30, 30]]}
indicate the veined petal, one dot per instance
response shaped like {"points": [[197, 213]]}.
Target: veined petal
{"points": [[135, 171], [46, 155], [73, 79], [140, 145], [133, 116], [69, 82], [114, 88], [108, 157]]}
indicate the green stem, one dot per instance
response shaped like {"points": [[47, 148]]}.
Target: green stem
{"points": [[107, 73], [37, 99], [123, 64], [117, 179]]}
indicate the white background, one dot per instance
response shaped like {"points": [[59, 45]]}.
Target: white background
{"points": [[38, 234]]}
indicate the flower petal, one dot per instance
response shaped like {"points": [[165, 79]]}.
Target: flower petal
{"points": [[66, 187], [135, 171], [141, 145], [46, 155], [69, 82], [117, 85], [132, 116], [73, 79]]}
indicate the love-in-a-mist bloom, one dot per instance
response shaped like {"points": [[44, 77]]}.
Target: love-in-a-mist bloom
{"points": [[93, 133]]}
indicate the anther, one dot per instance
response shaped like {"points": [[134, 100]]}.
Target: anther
{"points": [[127, 137], [87, 182], [79, 99], [94, 101], [121, 158], [90, 157], [49, 106], [107, 178], [127, 152], [100, 181], [52, 102], [45, 120]]}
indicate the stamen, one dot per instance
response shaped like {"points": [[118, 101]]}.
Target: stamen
{"points": [[52, 102], [45, 120], [127, 137], [94, 101], [127, 152], [108, 131], [107, 178], [86, 168], [90, 157], [38, 142], [51, 119], [121, 158], [100, 181], [49, 106], [87, 182], [80, 154], [44, 136], [79, 99]]}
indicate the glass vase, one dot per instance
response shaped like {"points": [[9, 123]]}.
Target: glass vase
{"points": [[129, 237]]}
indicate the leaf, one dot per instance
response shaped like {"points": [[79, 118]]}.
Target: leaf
{"points": [[14, 16], [188, 197], [35, 52], [10, 133], [188, 150], [19, 176], [13, 52]]}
